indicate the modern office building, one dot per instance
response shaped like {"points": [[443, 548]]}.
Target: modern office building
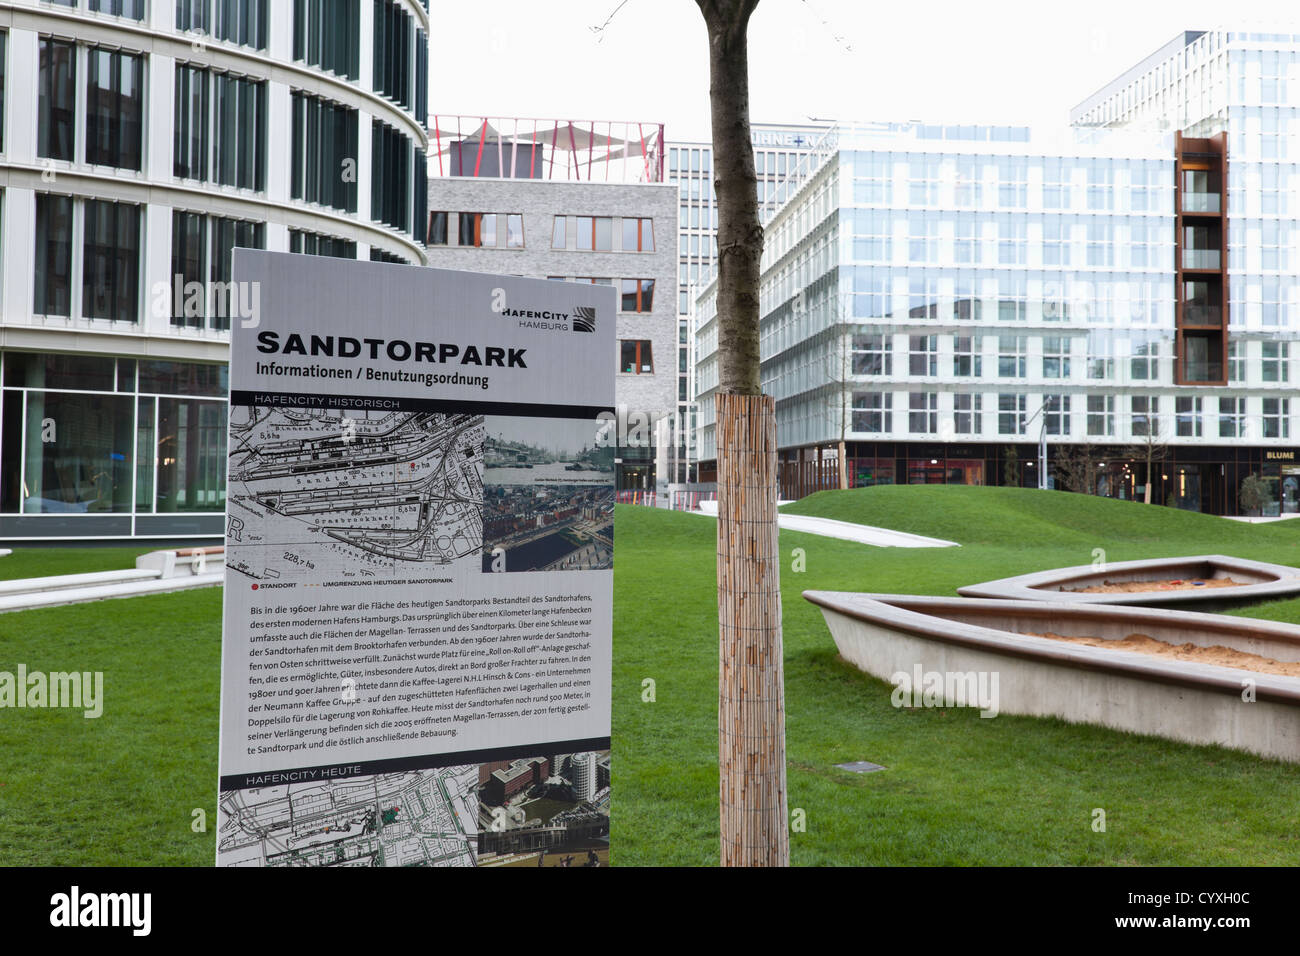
{"points": [[139, 143], [574, 202], [777, 149], [937, 298]]}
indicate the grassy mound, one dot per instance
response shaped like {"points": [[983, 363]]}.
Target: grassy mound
{"points": [[999, 516]]}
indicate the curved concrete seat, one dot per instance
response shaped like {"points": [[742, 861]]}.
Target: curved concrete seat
{"points": [[1259, 581], [888, 635]]}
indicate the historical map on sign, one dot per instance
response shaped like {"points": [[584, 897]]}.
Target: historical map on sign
{"points": [[318, 493], [413, 818]]}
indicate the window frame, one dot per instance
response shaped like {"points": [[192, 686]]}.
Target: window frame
{"points": [[638, 367]]}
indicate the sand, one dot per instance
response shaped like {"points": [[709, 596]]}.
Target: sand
{"points": [[1217, 654], [1173, 584]]}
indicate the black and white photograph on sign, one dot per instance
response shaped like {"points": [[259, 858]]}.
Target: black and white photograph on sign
{"points": [[411, 818], [319, 492], [551, 809], [548, 495], [534, 451]]}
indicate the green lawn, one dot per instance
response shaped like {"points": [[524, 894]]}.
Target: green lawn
{"points": [[959, 789], [29, 562]]}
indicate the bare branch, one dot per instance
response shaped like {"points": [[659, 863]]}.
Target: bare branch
{"points": [[600, 30], [837, 37]]}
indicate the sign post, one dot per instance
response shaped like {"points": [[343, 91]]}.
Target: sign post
{"points": [[419, 554]]}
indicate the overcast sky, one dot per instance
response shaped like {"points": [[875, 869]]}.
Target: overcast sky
{"points": [[938, 60]]}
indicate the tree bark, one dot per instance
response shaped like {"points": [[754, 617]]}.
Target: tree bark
{"points": [[751, 690]]}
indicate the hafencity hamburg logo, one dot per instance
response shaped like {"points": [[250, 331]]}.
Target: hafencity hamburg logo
{"points": [[584, 318]]}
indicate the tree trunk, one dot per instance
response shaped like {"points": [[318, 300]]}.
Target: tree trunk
{"points": [[751, 708], [751, 691]]}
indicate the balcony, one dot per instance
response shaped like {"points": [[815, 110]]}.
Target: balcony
{"points": [[1209, 315], [1201, 202], [1202, 259]]}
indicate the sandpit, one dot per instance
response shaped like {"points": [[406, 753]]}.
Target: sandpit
{"points": [[1215, 654], [1137, 587]]}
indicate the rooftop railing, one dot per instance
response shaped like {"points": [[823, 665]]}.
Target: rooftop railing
{"points": [[514, 147]]}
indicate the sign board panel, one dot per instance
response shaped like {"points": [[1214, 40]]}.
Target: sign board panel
{"points": [[419, 568]]}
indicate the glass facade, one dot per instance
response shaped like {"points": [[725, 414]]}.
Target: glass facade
{"points": [[103, 435], [778, 151], [1033, 275]]}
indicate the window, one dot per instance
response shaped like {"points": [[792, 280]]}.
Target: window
{"points": [[325, 34], [53, 255], [1056, 414], [923, 296], [1013, 179], [923, 355], [1236, 361], [201, 264], [324, 162], [872, 355], [131, 9], [393, 34], [58, 100], [1011, 414], [1232, 417], [239, 131], [314, 244], [110, 265], [4, 42], [514, 231], [115, 106], [1012, 292], [1275, 364], [638, 235], [595, 233], [241, 21], [1056, 356], [634, 357], [1277, 415], [1012, 242], [392, 159], [966, 359], [1146, 354], [437, 235], [190, 147], [477, 229], [1012, 358], [638, 295], [193, 15], [872, 412], [1101, 416], [923, 413], [1145, 419], [1101, 363], [1187, 412], [966, 241], [558, 238], [968, 414], [383, 255]]}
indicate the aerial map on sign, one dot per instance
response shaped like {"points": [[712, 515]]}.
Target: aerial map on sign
{"points": [[414, 818], [317, 492]]}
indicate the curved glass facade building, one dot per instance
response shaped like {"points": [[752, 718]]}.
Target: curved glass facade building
{"points": [[141, 141], [938, 299]]}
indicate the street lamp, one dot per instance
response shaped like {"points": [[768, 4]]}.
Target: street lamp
{"points": [[1042, 444]]}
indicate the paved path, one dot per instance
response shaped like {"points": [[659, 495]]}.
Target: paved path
{"points": [[861, 533]]}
